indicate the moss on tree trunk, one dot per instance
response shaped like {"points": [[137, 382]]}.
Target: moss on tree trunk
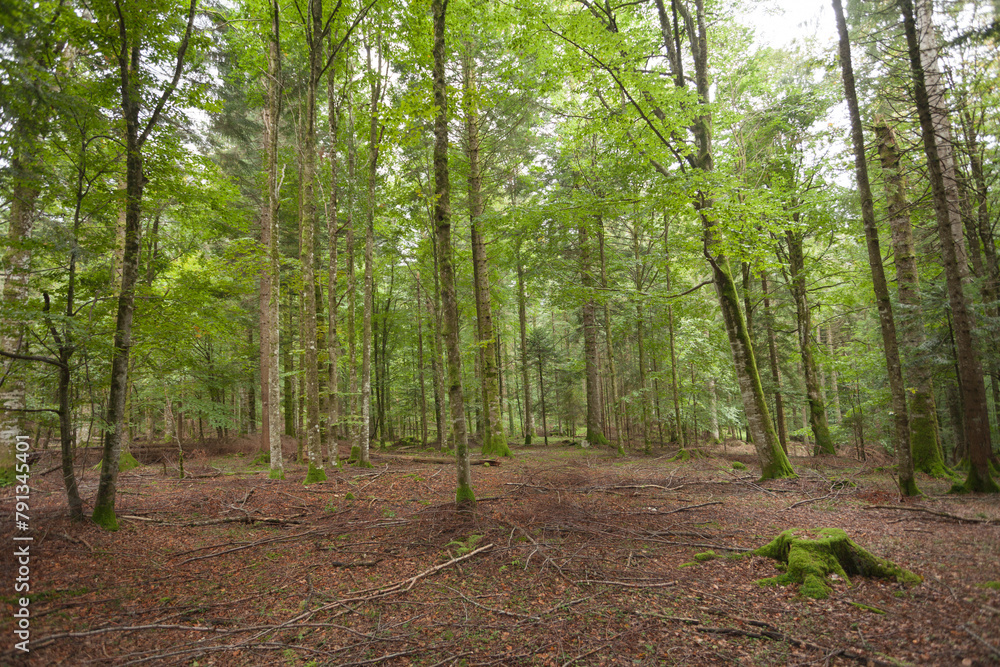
{"points": [[811, 556]]}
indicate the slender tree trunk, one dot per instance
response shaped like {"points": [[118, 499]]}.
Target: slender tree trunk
{"points": [[901, 432], [834, 387], [307, 251], [975, 413], [128, 56], [522, 318], [595, 435], [494, 437], [420, 366], [16, 261], [807, 347], [270, 398], [616, 415], [773, 461], [464, 496], [927, 455], [772, 350], [333, 229], [374, 138]]}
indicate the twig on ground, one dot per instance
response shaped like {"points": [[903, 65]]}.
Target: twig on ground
{"points": [[905, 508], [991, 647]]}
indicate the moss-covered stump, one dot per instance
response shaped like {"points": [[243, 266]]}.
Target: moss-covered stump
{"points": [[813, 555]]}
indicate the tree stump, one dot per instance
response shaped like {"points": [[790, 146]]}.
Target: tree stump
{"points": [[810, 556]]}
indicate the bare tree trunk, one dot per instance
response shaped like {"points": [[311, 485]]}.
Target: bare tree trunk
{"points": [[494, 437], [927, 455], [901, 431], [529, 427], [807, 347], [616, 415], [975, 413], [464, 496], [270, 398], [595, 435], [374, 138], [333, 229], [17, 258], [772, 350], [834, 387], [307, 250], [420, 366]]}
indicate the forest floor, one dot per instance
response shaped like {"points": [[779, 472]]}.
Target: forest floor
{"points": [[573, 557]]}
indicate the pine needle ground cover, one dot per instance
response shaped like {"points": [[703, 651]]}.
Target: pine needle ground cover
{"points": [[572, 557]]}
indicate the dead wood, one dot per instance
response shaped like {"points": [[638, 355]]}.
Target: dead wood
{"points": [[953, 517]]}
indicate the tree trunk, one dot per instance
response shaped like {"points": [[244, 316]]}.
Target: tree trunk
{"points": [[772, 353], [901, 431], [807, 347], [595, 435], [128, 57], [307, 251], [616, 415], [494, 437], [374, 137], [420, 366], [270, 399], [529, 427], [834, 388], [975, 414], [772, 459], [927, 455], [333, 229], [17, 257], [464, 496]]}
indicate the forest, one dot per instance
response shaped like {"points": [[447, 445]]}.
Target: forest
{"points": [[447, 242]]}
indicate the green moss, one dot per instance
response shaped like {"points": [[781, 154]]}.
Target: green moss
{"points": [[976, 483], [262, 458], [706, 556], [681, 456], [692, 564], [349, 496], [315, 475], [496, 445], [995, 585], [874, 610], [464, 497], [104, 516], [767, 582], [127, 462], [737, 465], [814, 554], [276, 474], [355, 454]]}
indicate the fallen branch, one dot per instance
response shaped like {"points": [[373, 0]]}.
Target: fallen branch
{"points": [[905, 508], [993, 649], [626, 584], [212, 522], [249, 545]]}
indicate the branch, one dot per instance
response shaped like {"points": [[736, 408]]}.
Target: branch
{"points": [[178, 68]]}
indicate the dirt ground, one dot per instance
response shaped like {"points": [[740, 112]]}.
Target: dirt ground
{"points": [[573, 557]]}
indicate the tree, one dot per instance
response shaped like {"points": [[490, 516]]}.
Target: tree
{"points": [[134, 27], [464, 496], [901, 432], [973, 389]]}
